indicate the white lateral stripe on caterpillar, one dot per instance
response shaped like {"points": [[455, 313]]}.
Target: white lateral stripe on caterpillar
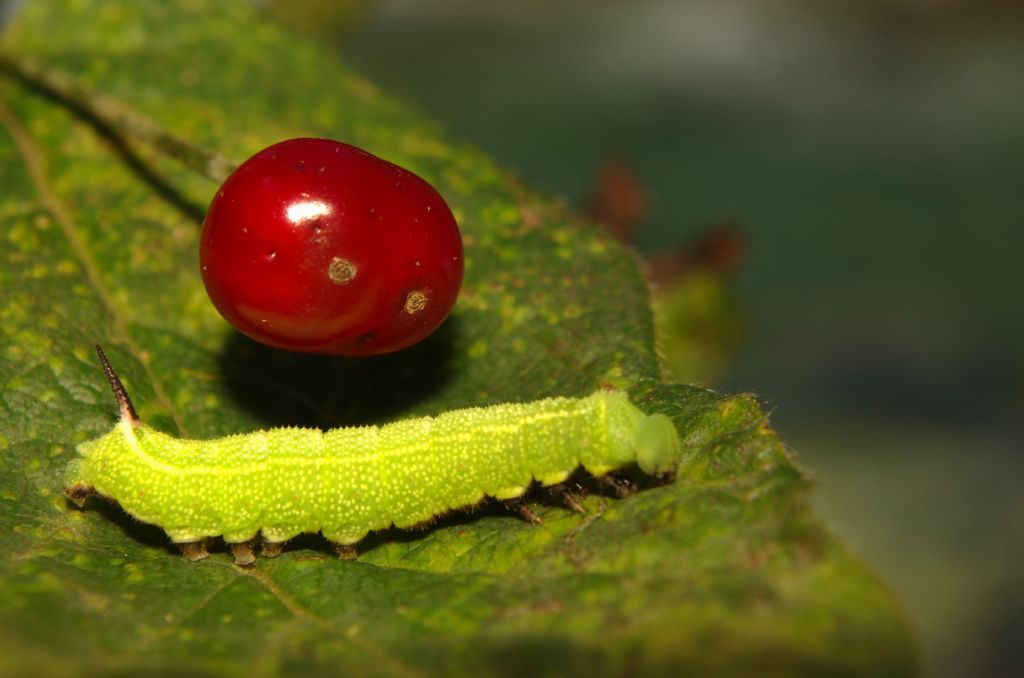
{"points": [[224, 467]]}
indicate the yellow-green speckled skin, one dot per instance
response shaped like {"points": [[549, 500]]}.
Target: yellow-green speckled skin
{"points": [[348, 481]]}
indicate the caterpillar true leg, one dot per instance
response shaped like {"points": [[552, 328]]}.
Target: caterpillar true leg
{"points": [[617, 485], [519, 506], [568, 498]]}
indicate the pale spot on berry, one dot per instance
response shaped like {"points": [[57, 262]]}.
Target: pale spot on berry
{"points": [[341, 271], [415, 302]]}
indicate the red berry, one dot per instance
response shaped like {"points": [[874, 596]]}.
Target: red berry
{"points": [[313, 245]]}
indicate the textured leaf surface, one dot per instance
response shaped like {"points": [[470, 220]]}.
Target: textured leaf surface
{"points": [[722, 571]]}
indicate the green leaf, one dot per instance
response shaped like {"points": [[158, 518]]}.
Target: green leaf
{"points": [[723, 571]]}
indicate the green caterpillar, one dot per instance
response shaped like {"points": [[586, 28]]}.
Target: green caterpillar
{"points": [[347, 482]]}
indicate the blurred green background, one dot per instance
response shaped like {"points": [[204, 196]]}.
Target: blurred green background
{"points": [[872, 153]]}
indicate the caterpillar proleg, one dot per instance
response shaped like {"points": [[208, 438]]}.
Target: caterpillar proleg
{"points": [[346, 482]]}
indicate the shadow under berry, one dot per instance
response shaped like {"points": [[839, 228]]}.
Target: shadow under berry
{"points": [[301, 389]]}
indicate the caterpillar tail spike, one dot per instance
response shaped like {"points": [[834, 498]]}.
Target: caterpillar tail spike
{"points": [[124, 403]]}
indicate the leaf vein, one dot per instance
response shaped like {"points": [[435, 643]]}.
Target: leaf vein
{"points": [[32, 156]]}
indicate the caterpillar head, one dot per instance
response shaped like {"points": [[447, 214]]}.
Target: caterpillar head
{"points": [[657, 444]]}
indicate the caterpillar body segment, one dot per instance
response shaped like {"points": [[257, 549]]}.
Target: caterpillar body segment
{"points": [[347, 482]]}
